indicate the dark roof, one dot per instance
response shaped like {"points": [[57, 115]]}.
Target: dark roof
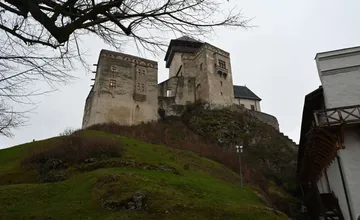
{"points": [[244, 92], [182, 44], [313, 101]]}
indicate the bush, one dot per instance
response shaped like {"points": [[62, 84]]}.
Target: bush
{"points": [[67, 132], [214, 133], [77, 148], [173, 133]]}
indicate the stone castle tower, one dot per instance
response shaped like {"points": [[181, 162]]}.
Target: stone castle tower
{"points": [[210, 67], [126, 89]]}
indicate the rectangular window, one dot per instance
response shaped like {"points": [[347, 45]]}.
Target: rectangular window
{"points": [[168, 93], [220, 83], [252, 107], [201, 66], [140, 80], [222, 64], [112, 83]]}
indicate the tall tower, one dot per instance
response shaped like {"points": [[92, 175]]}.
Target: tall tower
{"points": [[124, 92], [210, 66]]}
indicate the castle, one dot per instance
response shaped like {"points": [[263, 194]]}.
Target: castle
{"points": [[126, 89]]}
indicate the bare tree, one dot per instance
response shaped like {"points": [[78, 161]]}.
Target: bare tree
{"points": [[40, 38], [53, 22], [22, 67]]}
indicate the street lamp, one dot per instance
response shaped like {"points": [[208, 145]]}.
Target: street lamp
{"points": [[239, 150]]}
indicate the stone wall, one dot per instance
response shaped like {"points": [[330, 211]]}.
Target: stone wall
{"points": [[175, 65], [266, 118], [88, 107], [213, 83], [182, 92], [125, 90], [220, 78]]}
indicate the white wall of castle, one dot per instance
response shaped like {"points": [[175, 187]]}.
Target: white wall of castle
{"points": [[247, 103]]}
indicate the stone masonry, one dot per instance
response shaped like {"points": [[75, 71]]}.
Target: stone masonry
{"points": [[126, 89]]}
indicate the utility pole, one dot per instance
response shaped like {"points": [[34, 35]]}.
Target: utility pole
{"points": [[239, 150]]}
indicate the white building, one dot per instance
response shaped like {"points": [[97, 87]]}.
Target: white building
{"points": [[245, 97], [329, 150]]}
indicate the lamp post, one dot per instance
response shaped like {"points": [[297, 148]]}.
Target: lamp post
{"points": [[239, 150]]}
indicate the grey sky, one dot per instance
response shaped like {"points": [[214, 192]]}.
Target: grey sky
{"points": [[275, 60]]}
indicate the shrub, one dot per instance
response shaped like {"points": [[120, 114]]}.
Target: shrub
{"points": [[173, 133], [213, 134], [67, 132], [77, 148]]}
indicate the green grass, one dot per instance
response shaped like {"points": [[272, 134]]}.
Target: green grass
{"points": [[207, 190]]}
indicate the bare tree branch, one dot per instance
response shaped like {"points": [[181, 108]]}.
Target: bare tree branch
{"points": [[40, 39]]}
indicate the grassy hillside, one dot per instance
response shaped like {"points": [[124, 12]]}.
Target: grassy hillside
{"points": [[97, 175], [269, 158]]}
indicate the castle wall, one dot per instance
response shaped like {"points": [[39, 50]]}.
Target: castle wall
{"points": [[212, 87], [199, 72], [175, 64], [182, 92], [125, 90], [247, 103], [266, 118], [88, 107], [221, 85]]}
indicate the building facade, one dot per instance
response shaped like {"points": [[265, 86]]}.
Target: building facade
{"points": [[245, 97], [126, 91], [328, 158]]}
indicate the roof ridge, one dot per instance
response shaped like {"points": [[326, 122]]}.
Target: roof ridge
{"points": [[244, 92]]}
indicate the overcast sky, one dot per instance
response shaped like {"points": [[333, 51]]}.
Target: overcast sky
{"points": [[275, 60]]}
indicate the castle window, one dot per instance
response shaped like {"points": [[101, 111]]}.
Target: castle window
{"points": [[252, 107], [220, 93], [201, 66], [112, 83], [225, 75], [222, 64], [141, 71], [168, 93], [138, 86], [220, 83], [142, 87]]}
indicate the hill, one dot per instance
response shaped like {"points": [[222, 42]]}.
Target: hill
{"points": [[269, 157], [97, 175]]}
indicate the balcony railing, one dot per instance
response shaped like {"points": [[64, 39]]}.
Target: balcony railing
{"points": [[337, 116]]}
